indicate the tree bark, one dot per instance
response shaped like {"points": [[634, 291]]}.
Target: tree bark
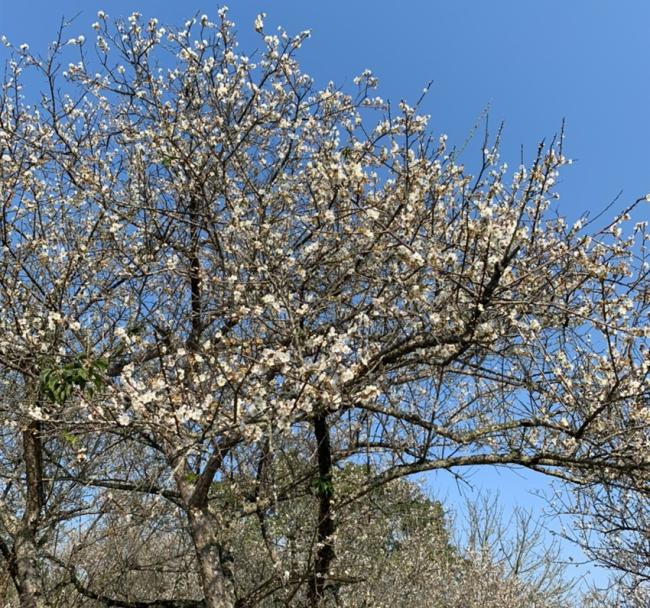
{"points": [[217, 590], [326, 526], [25, 543]]}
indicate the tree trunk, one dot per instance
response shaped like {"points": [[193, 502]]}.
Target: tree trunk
{"points": [[217, 590], [326, 526], [29, 581], [25, 546]]}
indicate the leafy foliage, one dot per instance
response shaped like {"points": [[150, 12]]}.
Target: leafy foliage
{"points": [[84, 373]]}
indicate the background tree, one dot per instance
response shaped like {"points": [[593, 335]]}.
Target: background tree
{"points": [[613, 529]]}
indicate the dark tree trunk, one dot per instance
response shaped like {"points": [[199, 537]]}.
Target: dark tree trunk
{"points": [[326, 527]]}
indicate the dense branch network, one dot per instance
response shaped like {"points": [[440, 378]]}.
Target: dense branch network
{"points": [[225, 294]]}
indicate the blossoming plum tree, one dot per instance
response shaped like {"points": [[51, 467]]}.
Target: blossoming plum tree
{"points": [[246, 269]]}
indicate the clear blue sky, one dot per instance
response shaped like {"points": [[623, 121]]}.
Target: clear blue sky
{"points": [[533, 63]]}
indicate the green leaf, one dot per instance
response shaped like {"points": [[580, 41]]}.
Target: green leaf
{"points": [[70, 438], [101, 364], [322, 486], [83, 373], [192, 477]]}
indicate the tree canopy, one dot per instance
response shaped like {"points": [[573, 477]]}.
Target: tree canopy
{"points": [[237, 311]]}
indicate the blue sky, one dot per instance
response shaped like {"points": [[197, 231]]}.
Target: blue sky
{"points": [[532, 63]]}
